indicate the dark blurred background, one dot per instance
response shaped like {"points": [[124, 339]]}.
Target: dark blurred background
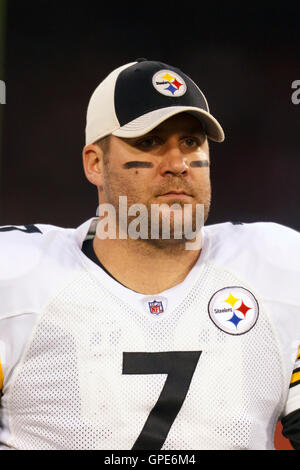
{"points": [[244, 58]]}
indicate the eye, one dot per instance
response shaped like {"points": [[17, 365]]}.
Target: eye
{"points": [[191, 142], [148, 143]]}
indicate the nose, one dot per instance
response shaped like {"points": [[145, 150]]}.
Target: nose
{"points": [[174, 162]]}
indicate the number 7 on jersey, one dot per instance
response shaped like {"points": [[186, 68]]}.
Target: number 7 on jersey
{"points": [[179, 367]]}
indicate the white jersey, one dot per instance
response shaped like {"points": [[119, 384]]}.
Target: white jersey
{"points": [[88, 364]]}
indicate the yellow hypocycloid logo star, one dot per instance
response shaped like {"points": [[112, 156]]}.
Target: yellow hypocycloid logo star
{"points": [[231, 300]]}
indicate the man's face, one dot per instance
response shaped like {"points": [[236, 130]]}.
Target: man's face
{"points": [[168, 165]]}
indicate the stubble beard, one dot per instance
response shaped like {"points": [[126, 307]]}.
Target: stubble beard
{"points": [[112, 195]]}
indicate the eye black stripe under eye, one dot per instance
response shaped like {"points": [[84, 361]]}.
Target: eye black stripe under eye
{"points": [[199, 163], [129, 165]]}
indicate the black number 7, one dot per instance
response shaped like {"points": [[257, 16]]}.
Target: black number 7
{"points": [[180, 367]]}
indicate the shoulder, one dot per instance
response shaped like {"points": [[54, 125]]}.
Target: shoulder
{"points": [[266, 255], [268, 229], [22, 247], [35, 260], [262, 238]]}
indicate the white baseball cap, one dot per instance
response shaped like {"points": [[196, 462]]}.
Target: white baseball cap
{"points": [[136, 97]]}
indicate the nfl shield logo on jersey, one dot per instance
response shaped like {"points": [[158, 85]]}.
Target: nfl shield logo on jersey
{"points": [[156, 307]]}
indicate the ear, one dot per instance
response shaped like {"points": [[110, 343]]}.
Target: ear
{"points": [[92, 156]]}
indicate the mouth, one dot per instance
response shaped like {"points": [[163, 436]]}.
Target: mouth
{"points": [[176, 194]]}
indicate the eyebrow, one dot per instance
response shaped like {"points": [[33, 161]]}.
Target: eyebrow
{"points": [[161, 129], [136, 164], [195, 129]]}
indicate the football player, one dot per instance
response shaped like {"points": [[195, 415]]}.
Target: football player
{"points": [[110, 341]]}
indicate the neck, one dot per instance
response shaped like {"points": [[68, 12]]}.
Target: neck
{"points": [[143, 266]]}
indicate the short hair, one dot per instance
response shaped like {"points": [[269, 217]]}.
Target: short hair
{"points": [[103, 143]]}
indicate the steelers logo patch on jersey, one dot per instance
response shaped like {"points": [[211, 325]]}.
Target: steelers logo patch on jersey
{"points": [[169, 83], [233, 310]]}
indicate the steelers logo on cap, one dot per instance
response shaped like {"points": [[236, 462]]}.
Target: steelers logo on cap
{"points": [[233, 310], [169, 83]]}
